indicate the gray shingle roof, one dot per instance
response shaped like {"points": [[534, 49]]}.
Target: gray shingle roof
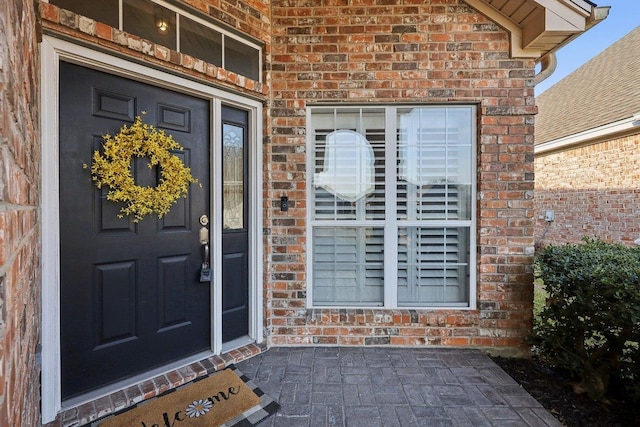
{"points": [[604, 90]]}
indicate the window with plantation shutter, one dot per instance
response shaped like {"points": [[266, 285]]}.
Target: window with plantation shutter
{"points": [[391, 207]]}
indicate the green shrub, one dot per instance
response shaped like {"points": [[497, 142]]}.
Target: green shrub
{"points": [[539, 297], [590, 324]]}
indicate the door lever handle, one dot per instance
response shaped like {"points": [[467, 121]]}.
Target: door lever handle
{"points": [[204, 242], [205, 270], [205, 254]]}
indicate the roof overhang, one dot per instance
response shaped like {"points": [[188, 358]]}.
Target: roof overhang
{"points": [[540, 27], [627, 126]]}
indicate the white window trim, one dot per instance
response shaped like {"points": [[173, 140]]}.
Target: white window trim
{"points": [[54, 50], [391, 221]]}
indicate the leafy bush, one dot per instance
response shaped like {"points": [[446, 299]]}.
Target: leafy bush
{"points": [[591, 322]]}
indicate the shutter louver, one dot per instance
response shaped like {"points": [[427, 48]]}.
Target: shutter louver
{"points": [[433, 266], [348, 266], [434, 155]]}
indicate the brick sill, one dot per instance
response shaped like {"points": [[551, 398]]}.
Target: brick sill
{"points": [[382, 316]]}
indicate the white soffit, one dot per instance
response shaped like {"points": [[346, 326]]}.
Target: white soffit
{"points": [[536, 26]]}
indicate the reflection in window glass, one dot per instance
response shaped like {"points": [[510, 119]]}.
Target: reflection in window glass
{"points": [[241, 59], [349, 150], [105, 11], [200, 42], [233, 176], [150, 21], [348, 166]]}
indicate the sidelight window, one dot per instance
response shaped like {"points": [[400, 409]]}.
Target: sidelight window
{"points": [[391, 206]]}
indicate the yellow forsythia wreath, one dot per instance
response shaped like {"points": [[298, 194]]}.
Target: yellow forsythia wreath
{"points": [[113, 169]]}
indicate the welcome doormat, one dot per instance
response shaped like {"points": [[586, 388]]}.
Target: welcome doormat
{"points": [[226, 398]]}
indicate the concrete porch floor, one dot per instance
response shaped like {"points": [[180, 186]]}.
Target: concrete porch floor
{"points": [[374, 386]]}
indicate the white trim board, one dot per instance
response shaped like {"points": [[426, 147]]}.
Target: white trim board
{"points": [[52, 52], [591, 136]]}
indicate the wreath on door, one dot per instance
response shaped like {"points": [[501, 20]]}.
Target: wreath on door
{"points": [[112, 168]]}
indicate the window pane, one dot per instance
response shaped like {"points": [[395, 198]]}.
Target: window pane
{"points": [[200, 41], [434, 202], [348, 266], [233, 176], [105, 11], [433, 266], [150, 21], [241, 59], [349, 164], [434, 163]]}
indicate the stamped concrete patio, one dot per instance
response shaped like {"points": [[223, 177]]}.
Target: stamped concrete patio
{"points": [[374, 386]]}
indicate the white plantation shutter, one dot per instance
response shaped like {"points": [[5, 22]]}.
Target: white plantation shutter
{"points": [[430, 258], [434, 164], [348, 266], [435, 150], [433, 266], [326, 205]]}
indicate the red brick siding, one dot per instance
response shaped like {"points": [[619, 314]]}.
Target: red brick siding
{"points": [[388, 52], [19, 228], [594, 191]]}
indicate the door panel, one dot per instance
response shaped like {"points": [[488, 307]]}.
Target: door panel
{"points": [[131, 299], [235, 242]]}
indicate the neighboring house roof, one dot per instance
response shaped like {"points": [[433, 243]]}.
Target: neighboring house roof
{"points": [[597, 98]]}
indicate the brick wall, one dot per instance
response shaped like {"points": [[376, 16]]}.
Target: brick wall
{"points": [[593, 191], [19, 228], [436, 51]]}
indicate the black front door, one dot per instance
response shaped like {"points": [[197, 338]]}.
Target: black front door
{"points": [[131, 296], [235, 224]]}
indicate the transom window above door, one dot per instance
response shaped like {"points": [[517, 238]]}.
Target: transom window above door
{"points": [[391, 206], [163, 23]]}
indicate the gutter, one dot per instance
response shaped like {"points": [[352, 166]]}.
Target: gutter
{"points": [[549, 62]]}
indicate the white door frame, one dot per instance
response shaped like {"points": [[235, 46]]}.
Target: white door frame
{"points": [[54, 50]]}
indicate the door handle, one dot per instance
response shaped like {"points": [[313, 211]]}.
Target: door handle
{"points": [[205, 270], [205, 253]]}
